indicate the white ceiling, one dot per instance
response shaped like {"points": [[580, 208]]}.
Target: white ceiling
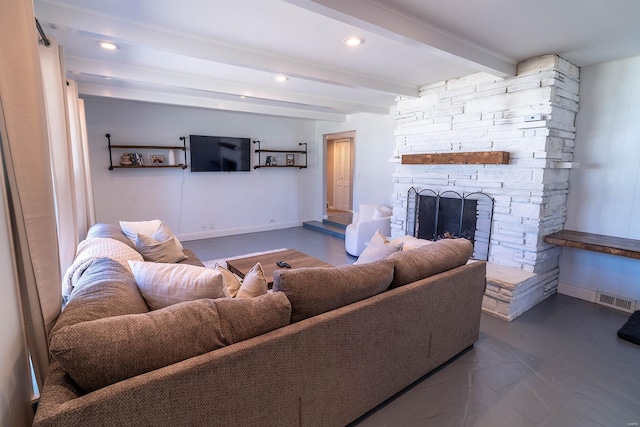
{"points": [[224, 54]]}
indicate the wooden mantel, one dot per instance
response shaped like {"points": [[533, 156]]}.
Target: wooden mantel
{"points": [[468, 158]]}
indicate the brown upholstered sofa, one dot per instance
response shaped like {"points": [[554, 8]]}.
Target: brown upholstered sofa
{"points": [[328, 367]]}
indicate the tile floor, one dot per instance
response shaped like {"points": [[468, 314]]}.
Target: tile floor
{"points": [[559, 364]]}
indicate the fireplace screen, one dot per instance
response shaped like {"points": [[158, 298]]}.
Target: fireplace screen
{"points": [[450, 215]]}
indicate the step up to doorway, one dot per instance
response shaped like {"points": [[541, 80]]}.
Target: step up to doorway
{"points": [[326, 227]]}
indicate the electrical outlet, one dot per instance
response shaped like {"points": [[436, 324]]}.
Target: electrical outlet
{"points": [[533, 118], [272, 221]]}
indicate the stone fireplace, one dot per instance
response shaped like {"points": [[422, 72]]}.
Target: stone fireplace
{"points": [[531, 117]]}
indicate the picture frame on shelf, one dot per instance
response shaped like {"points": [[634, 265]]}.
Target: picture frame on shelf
{"points": [[157, 160], [290, 160]]}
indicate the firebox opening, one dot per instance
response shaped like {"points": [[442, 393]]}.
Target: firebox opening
{"points": [[435, 216]]}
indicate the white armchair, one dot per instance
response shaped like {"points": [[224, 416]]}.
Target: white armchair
{"points": [[366, 222]]}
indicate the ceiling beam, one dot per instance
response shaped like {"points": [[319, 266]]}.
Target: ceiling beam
{"points": [[378, 18], [145, 75], [155, 97], [136, 34]]}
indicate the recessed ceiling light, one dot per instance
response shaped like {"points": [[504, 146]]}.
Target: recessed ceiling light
{"points": [[353, 41], [281, 78], [108, 45]]}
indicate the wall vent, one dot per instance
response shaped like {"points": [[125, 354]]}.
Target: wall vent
{"points": [[617, 302]]}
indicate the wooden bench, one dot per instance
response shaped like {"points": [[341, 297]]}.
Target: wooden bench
{"points": [[620, 246]]}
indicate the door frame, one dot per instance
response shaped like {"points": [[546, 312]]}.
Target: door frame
{"points": [[327, 138]]}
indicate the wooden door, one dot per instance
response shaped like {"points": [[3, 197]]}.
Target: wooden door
{"points": [[342, 167]]}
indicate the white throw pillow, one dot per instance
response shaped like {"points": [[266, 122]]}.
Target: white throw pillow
{"points": [[231, 281], [379, 248], [366, 212], [410, 242], [254, 283], [382, 212], [162, 284], [154, 228], [159, 251]]}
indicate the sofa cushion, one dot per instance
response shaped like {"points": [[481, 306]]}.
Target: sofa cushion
{"points": [[109, 231], [191, 259], [105, 289], [378, 248], [159, 251], [428, 260], [104, 351], [163, 284], [313, 291]]}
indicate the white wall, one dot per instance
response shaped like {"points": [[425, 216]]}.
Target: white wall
{"points": [[604, 192], [189, 202], [374, 142]]}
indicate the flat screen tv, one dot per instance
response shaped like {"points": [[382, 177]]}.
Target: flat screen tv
{"points": [[219, 153]]}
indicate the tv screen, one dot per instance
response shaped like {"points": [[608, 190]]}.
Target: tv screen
{"points": [[219, 153]]}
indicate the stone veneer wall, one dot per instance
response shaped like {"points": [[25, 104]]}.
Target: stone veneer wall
{"points": [[482, 112]]}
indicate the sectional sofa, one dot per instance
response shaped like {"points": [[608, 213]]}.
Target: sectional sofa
{"points": [[324, 348]]}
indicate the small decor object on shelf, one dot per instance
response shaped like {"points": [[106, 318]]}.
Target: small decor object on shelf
{"points": [[157, 160], [137, 160], [125, 160], [268, 161], [274, 161], [290, 160]]}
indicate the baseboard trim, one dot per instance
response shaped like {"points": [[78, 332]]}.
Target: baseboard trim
{"points": [[577, 292], [208, 234]]}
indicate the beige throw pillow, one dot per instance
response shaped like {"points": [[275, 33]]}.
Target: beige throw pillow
{"points": [[157, 251], [254, 283], [100, 352], [378, 248], [162, 284], [231, 281], [155, 229]]}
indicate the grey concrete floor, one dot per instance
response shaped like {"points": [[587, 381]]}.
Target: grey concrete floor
{"points": [[559, 364], [322, 246]]}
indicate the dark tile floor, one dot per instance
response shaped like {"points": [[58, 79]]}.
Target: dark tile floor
{"points": [[559, 364], [322, 246]]}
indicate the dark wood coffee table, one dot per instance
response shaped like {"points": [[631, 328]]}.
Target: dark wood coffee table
{"points": [[296, 259]]}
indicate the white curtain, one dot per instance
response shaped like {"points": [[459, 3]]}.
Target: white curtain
{"points": [[85, 208], [68, 148], [25, 157]]}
